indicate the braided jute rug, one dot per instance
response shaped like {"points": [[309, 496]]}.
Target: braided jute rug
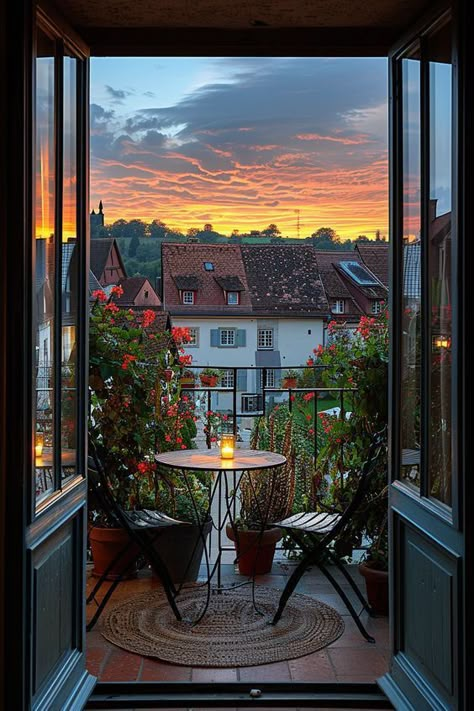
{"points": [[231, 634]]}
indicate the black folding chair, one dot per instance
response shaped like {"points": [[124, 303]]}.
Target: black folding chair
{"points": [[314, 532], [143, 527]]}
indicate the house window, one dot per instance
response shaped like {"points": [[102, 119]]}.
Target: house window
{"points": [[269, 378], [227, 379], [232, 297], [208, 266], [376, 307], [146, 294], [194, 338], [265, 339], [338, 306], [188, 297], [227, 337]]}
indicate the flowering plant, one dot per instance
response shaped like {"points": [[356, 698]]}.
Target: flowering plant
{"points": [[135, 411]]}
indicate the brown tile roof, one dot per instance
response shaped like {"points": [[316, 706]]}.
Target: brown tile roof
{"points": [[375, 257], [333, 282], [230, 283], [99, 253], [131, 286], [180, 262], [284, 279], [188, 281]]}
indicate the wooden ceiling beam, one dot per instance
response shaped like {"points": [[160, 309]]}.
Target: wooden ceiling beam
{"points": [[255, 42]]}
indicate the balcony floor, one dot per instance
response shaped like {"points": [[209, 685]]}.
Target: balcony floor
{"points": [[350, 658]]}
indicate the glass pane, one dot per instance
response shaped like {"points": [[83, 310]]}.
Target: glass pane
{"points": [[439, 235], [410, 402], [44, 266], [69, 280]]}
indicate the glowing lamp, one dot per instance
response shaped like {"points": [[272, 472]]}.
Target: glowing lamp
{"points": [[227, 446], [39, 443], [442, 342]]}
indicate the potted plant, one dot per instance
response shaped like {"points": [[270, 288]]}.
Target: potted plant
{"points": [[255, 547], [186, 499], [132, 416], [210, 377], [374, 569], [187, 379], [290, 379]]}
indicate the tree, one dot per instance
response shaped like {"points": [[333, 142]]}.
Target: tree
{"points": [[271, 231], [325, 234], [192, 234], [157, 229], [136, 228], [133, 246], [208, 227], [362, 238], [118, 229]]}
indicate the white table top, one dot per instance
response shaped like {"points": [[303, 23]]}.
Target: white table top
{"points": [[210, 460]]}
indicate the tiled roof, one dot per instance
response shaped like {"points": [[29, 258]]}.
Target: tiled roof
{"points": [[284, 279], [230, 283], [188, 282], [183, 268], [333, 281], [375, 257], [100, 250], [131, 287], [412, 270]]}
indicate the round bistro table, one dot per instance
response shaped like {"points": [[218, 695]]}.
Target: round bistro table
{"points": [[210, 460]]}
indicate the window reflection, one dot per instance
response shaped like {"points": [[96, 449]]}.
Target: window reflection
{"points": [[44, 266], [70, 266], [439, 234], [411, 264]]}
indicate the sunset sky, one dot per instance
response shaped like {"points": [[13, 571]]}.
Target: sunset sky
{"points": [[242, 142]]}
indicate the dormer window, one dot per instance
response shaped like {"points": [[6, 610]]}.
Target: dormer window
{"points": [[188, 297], [338, 306], [232, 298], [377, 307]]}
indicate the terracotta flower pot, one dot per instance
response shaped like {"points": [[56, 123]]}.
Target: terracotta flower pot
{"points": [[376, 582], [187, 382], [106, 543], [290, 382], [168, 375], [255, 551], [210, 380]]}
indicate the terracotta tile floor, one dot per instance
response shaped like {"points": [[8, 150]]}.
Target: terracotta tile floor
{"points": [[350, 658]]}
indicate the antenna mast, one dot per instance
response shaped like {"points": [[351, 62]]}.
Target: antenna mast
{"points": [[298, 223]]}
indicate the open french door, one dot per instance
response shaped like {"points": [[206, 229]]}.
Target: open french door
{"points": [[44, 357], [427, 489]]}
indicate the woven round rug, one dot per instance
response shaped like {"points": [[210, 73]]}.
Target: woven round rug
{"points": [[231, 634]]}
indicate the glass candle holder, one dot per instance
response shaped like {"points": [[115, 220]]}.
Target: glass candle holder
{"points": [[227, 446], [39, 443]]}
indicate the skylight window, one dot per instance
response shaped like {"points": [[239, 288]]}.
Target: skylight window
{"points": [[209, 266], [358, 273]]}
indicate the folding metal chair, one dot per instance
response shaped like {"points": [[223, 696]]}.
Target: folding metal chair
{"points": [[143, 527], [314, 532]]}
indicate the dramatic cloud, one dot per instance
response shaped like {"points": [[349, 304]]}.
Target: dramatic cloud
{"points": [[274, 136]]}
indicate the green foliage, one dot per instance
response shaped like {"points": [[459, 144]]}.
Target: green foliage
{"points": [[136, 408]]}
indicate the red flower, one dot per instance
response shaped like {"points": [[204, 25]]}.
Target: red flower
{"points": [[127, 359], [99, 295], [117, 291], [310, 361], [168, 438], [308, 396], [148, 317], [112, 307], [183, 446]]}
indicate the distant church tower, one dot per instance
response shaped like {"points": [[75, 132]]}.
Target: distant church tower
{"points": [[97, 221]]}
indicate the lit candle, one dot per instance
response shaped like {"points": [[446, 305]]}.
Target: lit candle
{"points": [[227, 446], [39, 444]]}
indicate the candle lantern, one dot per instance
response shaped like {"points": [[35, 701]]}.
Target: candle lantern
{"points": [[39, 443], [227, 446]]}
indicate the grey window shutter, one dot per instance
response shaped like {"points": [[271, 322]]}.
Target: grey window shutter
{"points": [[214, 336], [242, 380], [241, 337]]}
